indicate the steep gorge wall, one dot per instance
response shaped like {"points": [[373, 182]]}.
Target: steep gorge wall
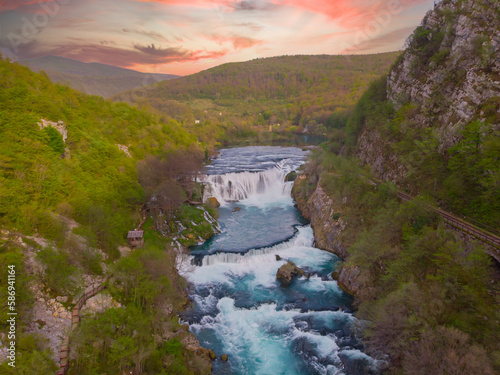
{"points": [[321, 210], [448, 76]]}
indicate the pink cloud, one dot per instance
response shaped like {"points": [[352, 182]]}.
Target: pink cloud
{"points": [[9, 5], [351, 13], [192, 3]]}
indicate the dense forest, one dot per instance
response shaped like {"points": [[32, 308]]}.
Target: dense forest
{"points": [[284, 94], [428, 299], [71, 185]]}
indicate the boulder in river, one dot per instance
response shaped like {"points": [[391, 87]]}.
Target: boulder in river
{"points": [[224, 357], [212, 202], [211, 354], [287, 272]]}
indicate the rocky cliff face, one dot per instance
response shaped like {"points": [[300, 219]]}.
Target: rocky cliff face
{"points": [[355, 282], [327, 225], [448, 76], [320, 209], [460, 69]]}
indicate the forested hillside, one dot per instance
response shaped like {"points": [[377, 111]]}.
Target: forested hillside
{"points": [[70, 190], [87, 174], [285, 94], [283, 77]]}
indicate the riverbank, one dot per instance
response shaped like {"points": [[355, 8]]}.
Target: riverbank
{"points": [[417, 285]]}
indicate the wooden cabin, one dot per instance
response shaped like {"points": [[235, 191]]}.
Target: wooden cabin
{"points": [[136, 238]]}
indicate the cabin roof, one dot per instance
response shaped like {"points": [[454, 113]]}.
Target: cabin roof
{"points": [[135, 234]]}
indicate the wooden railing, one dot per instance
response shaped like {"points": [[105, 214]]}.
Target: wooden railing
{"points": [[75, 313], [463, 225], [75, 320]]}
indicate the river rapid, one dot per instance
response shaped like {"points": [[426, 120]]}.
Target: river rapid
{"points": [[239, 307]]}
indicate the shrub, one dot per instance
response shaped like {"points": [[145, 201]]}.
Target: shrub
{"points": [[445, 350], [34, 357], [58, 273], [55, 140]]}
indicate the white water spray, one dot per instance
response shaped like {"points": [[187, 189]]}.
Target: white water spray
{"points": [[268, 185]]}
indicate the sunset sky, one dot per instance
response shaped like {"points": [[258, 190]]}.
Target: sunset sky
{"points": [[184, 37]]}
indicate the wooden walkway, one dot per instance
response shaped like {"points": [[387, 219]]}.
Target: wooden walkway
{"points": [[75, 320], [464, 226], [75, 313], [482, 234]]}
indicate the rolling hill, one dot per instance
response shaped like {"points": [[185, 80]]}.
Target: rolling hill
{"points": [[93, 78], [285, 94]]}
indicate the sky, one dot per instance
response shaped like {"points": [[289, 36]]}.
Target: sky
{"points": [[183, 37]]}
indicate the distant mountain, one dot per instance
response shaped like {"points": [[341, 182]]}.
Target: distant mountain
{"points": [[93, 78]]}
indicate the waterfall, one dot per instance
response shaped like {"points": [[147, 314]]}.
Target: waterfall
{"points": [[303, 237], [231, 187]]}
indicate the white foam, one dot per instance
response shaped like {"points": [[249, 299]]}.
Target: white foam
{"points": [[247, 335], [251, 188], [259, 339], [223, 267]]}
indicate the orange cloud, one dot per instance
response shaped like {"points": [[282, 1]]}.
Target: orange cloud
{"points": [[239, 42]]}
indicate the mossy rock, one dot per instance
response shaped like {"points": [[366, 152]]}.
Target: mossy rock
{"points": [[211, 354], [212, 202], [291, 176]]}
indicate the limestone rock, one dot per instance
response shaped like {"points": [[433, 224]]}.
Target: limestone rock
{"points": [[124, 149], [287, 272], [353, 281], [59, 126], [321, 210], [445, 90]]}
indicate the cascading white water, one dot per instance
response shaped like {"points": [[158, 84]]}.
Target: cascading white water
{"points": [[269, 185], [302, 238]]}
